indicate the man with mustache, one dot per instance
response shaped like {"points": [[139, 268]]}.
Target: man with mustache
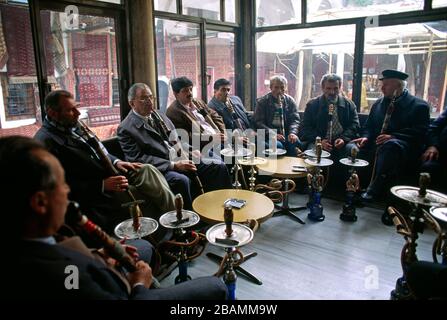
{"points": [[194, 116], [317, 119], [148, 136]]}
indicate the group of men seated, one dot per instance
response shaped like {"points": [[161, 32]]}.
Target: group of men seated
{"points": [[166, 154]]}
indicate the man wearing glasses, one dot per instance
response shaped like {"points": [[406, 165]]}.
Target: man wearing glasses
{"points": [[148, 136]]}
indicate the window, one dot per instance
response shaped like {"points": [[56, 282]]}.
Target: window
{"points": [[419, 49], [219, 59], [166, 5], [323, 10], [19, 93], [303, 56], [209, 9], [230, 11], [439, 3], [270, 13], [178, 54], [83, 60]]}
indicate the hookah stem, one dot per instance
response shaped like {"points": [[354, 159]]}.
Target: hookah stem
{"points": [[113, 248], [385, 124]]}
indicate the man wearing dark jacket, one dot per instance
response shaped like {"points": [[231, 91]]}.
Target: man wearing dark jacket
{"points": [[229, 107], [35, 196], [331, 117], [277, 111], [395, 131]]}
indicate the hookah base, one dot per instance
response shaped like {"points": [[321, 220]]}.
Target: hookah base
{"points": [[401, 292], [316, 213], [180, 279], [348, 214]]}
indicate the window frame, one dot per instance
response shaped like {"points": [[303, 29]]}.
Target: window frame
{"points": [[87, 7], [206, 25], [426, 15]]}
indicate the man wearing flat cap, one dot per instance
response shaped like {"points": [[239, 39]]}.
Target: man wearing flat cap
{"points": [[394, 133]]}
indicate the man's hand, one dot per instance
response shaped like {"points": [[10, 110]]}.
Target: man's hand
{"points": [[223, 137], [432, 153], [124, 166], [280, 137], [143, 275], [185, 166], [339, 143], [293, 138], [115, 183], [360, 142], [381, 139], [327, 146], [131, 250]]}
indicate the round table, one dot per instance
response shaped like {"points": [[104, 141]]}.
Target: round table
{"points": [[283, 168], [210, 206]]}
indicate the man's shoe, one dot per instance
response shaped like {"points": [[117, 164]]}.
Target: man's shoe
{"points": [[367, 197]]}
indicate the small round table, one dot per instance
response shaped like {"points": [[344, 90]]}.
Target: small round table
{"points": [[210, 207], [285, 168]]}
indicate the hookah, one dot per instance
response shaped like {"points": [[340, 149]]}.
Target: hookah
{"points": [[178, 220], [352, 185], [414, 223], [230, 236], [315, 182]]}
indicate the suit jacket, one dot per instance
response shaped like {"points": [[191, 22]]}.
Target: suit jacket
{"points": [[265, 107], [83, 170], [316, 118], [227, 117], [409, 120], [183, 119], [140, 142], [41, 274]]}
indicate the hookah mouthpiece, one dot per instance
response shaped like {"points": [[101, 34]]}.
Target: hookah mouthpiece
{"points": [[228, 218]]}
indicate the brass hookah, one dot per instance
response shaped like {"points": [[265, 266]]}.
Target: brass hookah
{"points": [[414, 223], [179, 248]]}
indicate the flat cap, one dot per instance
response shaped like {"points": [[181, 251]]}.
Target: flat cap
{"points": [[393, 74]]}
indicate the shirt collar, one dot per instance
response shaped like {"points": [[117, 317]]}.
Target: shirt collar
{"points": [[144, 118]]}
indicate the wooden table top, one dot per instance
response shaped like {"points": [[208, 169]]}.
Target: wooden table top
{"points": [[210, 206], [282, 167]]}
